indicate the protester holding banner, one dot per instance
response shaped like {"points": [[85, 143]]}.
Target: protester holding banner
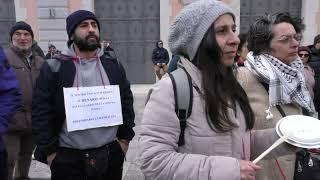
{"points": [[74, 134]]}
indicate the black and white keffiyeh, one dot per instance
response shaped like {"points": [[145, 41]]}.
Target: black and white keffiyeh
{"points": [[286, 82]]}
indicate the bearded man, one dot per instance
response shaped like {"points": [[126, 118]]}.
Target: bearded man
{"points": [[89, 153], [26, 63]]}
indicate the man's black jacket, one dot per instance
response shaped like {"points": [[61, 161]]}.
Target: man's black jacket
{"points": [[48, 112], [160, 55]]}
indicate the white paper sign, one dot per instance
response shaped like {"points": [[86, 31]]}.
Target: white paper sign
{"points": [[92, 107]]}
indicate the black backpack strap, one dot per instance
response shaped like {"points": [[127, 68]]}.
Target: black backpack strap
{"points": [[266, 86], [183, 97]]}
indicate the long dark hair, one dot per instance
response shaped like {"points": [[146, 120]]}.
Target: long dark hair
{"points": [[221, 89]]}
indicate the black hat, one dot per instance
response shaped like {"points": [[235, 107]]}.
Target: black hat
{"points": [[76, 18], [304, 48], [51, 46], [20, 26]]}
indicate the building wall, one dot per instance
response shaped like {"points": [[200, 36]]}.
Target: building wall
{"points": [[51, 23], [48, 17], [21, 10], [176, 6], [310, 13], [36, 13], [26, 11], [165, 12]]}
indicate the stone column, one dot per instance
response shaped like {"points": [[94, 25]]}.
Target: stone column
{"points": [[310, 13]]}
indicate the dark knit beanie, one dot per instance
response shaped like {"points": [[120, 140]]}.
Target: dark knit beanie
{"points": [[20, 26], [304, 48], [74, 19], [51, 46], [316, 39]]}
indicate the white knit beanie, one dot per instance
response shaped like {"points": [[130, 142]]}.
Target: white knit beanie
{"points": [[192, 23]]}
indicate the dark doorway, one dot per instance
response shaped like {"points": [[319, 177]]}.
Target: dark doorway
{"points": [[133, 28], [250, 10], [7, 19]]}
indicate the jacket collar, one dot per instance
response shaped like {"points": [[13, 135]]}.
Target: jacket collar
{"points": [[193, 71], [69, 52], [21, 53]]}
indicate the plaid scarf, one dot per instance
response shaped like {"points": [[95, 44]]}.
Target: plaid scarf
{"points": [[286, 82]]}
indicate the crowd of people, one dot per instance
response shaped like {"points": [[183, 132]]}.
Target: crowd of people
{"points": [[33, 111], [242, 85]]}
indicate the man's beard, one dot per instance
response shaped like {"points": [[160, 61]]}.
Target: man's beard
{"points": [[87, 44], [23, 50]]}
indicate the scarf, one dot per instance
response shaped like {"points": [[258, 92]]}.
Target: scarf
{"points": [[286, 82], [20, 52], [25, 55]]}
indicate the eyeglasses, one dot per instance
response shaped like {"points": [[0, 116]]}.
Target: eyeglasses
{"points": [[288, 38], [303, 55]]}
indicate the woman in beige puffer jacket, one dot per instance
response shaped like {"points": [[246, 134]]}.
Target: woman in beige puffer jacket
{"points": [[274, 81]]}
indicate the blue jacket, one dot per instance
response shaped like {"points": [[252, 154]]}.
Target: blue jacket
{"points": [[10, 95], [173, 65]]}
